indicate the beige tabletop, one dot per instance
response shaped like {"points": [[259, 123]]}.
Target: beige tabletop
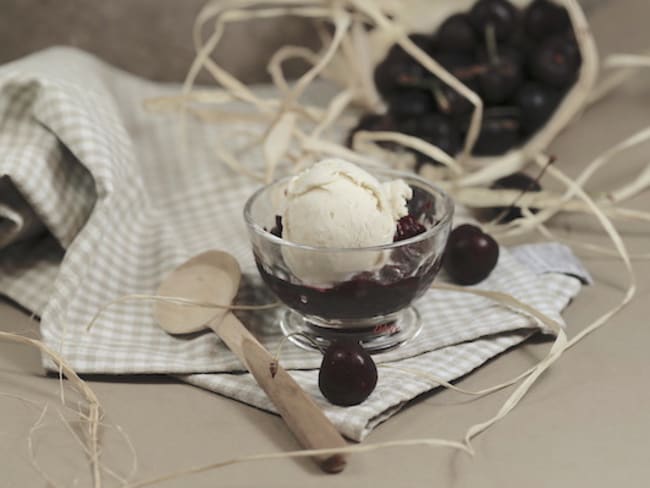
{"points": [[586, 423]]}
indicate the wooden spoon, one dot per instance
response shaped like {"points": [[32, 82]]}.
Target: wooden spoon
{"points": [[214, 277]]}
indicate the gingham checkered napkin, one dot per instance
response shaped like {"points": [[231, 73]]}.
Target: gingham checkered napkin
{"points": [[124, 205]]}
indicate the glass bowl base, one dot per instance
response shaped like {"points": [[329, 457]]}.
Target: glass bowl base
{"points": [[403, 326]]}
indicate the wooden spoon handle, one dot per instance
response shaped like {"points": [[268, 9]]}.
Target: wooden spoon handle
{"points": [[305, 419]]}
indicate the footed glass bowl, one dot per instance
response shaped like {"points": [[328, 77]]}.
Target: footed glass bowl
{"points": [[370, 291]]}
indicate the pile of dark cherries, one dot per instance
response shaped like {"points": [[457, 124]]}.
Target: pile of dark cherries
{"points": [[520, 62]]}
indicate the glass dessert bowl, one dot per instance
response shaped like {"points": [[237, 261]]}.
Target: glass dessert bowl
{"points": [[361, 293]]}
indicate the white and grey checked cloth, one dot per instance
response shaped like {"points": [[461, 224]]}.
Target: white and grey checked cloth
{"points": [[124, 205]]}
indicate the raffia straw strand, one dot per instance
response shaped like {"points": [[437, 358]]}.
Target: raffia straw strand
{"points": [[608, 84], [412, 142], [358, 448], [446, 384], [575, 187], [277, 141], [600, 250], [357, 55], [234, 164], [488, 198], [29, 402], [635, 139], [180, 301], [174, 103], [31, 452], [287, 337], [179, 102], [613, 80], [627, 61], [279, 137], [521, 226], [94, 407], [555, 352], [222, 76], [620, 247], [134, 453], [640, 183], [238, 89], [81, 444], [334, 110], [342, 23], [321, 146], [284, 54]]}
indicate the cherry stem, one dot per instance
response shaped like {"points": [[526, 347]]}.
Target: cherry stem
{"points": [[441, 99], [491, 44]]}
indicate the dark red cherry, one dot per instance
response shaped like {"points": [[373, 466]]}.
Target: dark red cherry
{"points": [[435, 128], [500, 80], [470, 255], [501, 14], [510, 52], [456, 34], [398, 71], [461, 64], [556, 62], [348, 374], [408, 125], [536, 103], [499, 131], [411, 102], [544, 18], [515, 181], [438, 130]]}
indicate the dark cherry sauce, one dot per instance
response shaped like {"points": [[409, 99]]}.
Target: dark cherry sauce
{"points": [[360, 297]]}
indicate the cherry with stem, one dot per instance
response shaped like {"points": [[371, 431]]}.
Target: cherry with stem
{"points": [[512, 212], [502, 75]]}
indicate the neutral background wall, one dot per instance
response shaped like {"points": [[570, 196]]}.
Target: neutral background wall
{"points": [[151, 38]]}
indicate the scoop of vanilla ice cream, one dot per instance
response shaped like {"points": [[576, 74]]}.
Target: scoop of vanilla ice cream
{"points": [[336, 204]]}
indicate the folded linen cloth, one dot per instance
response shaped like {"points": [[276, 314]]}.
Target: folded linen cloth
{"points": [[124, 205]]}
